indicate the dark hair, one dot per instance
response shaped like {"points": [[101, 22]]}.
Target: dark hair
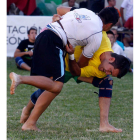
{"points": [[110, 32], [109, 15], [108, 0], [122, 63], [32, 28]]}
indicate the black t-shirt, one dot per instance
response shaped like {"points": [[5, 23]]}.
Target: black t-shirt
{"points": [[24, 46]]}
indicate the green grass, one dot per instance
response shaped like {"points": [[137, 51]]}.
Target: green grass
{"points": [[74, 114]]}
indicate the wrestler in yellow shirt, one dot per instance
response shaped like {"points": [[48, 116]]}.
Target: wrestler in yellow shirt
{"points": [[92, 69]]}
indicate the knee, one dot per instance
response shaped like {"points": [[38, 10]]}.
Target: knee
{"points": [[57, 87], [105, 87]]}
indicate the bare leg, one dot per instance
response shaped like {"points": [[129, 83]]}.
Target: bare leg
{"points": [[25, 66], [104, 104], [26, 112], [15, 82], [42, 103], [37, 81]]}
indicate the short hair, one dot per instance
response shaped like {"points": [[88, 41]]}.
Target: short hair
{"points": [[69, 0], [32, 28], [108, 0], [110, 32], [109, 15], [122, 63]]}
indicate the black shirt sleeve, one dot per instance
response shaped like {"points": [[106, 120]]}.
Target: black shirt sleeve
{"points": [[21, 46]]}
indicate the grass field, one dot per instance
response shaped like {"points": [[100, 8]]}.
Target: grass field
{"points": [[74, 114]]}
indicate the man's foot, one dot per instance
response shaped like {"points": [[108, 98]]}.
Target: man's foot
{"points": [[109, 128], [15, 82], [24, 116], [29, 127]]}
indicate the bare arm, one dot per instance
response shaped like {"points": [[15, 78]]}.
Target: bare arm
{"points": [[75, 68], [119, 23], [86, 79], [62, 10], [18, 53], [83, 61], [122, 15]]}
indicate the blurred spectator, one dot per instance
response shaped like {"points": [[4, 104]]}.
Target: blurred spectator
{"points": [[23, 53], [112, 3], [116, 36], [83, 4], [128, 38], [129, 53], [128, 6], [118, 50], [95, 5], [13, 10], [129, 23], [115, 47], [26, 6], [70, 3]]}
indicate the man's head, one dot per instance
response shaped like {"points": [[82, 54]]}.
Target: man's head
{"points": [[109, 17], [32, 32], [116, 65], [115, 33], [111, 37], [71, 3], [111, 3]]}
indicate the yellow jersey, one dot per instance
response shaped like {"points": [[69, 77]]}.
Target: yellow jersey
{"points": [[92, 69]]}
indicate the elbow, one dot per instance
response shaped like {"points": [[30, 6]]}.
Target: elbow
{"points": [[76, 73], [15, 55]]}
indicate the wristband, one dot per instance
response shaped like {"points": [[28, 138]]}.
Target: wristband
{"points": [[71, 56]]}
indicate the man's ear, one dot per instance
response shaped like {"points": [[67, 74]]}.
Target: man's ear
{"points": [[107, 26], [111, 59], [110, 24]]}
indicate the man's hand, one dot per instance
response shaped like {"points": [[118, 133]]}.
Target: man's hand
{"points": [[69, 49], [30, 53], [56, 17], [62, 10]]}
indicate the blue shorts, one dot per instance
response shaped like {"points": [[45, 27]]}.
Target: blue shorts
{"points": [[19, 61]]}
